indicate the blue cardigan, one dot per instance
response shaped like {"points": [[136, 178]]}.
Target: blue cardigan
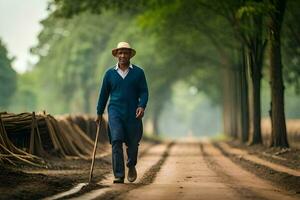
{"points": [[125, 94]]}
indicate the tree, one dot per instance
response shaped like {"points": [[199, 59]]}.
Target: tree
{"points": [[25, 97], [251, 35], [279, 137], [291, 44], [243, 19], [70, 52], [8, 78], [169, 21]]}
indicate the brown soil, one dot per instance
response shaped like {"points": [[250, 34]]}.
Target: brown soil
{"points": [[27, 182], [37, 183], [34, 183], [286, 157], [18, 185]]}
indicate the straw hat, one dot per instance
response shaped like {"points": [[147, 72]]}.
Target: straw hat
{"points": [[123, 45]]}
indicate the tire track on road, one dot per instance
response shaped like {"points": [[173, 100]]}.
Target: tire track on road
{"points": [[245, 183], [245, 193], [82, 188], [184, 175], [147, 178], [266, 170], [111, 191]]}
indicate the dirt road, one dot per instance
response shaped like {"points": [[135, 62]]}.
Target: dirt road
{"points": [[188, 170]]}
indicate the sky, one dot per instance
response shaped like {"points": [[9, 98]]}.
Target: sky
{"points": [[19, 28]]}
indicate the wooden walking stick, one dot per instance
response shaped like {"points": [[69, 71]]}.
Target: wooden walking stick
{"points": [[94, 152]]}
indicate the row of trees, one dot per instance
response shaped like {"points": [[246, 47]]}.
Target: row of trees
{"points": [[219, 47], [251, 25]]}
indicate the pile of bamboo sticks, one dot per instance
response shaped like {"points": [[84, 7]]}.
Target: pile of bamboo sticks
{"points": [[88, 125], [8, 151], [28, 137]]}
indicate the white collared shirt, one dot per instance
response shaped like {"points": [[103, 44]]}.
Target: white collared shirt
{"points": [[122, 73]]}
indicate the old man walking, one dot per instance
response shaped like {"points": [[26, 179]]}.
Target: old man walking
{"points": [[125, 84]]}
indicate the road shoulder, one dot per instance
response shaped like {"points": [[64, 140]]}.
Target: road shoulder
{"points": [[281, 169]]}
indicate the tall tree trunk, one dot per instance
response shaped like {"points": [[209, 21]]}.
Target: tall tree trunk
{"points": [[227, 121], [256, 135], [157, 109], [225, 104], [234, 101], [239, 108], [244, 99], [229, 103], [255, 71], [256, 48], [225, 95], [155, 124], [279, 136]]}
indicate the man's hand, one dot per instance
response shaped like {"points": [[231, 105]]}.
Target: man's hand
{"points": [[98, 119], [139, 112]]}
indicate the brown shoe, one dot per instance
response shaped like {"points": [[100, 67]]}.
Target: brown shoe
{"points": [[118, 180], [132, 174]]}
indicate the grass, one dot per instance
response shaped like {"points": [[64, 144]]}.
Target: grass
{"points": [[220, 137], [153, 137]]}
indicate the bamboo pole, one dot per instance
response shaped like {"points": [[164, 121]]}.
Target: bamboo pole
{"points": [[94, 152]]}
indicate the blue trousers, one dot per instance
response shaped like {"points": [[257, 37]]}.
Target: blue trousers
{"points": [[118, 158], [127, 131]]}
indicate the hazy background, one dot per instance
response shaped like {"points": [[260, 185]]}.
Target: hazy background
{"points": [[59, 63], [19, 28]]}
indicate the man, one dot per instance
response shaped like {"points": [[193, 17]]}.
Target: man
{"points": [[126, 86]]}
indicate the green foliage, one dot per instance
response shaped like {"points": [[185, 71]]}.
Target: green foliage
{"points": [[8, 78], [25, 97], [252, 8], [291, 45], [69, 8], [70, 52], [191, 41], [71, 64]]}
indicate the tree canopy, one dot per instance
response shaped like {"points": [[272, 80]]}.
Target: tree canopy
{"points": [[8, 77], [222, 49]]}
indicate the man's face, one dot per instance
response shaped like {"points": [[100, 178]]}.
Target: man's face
{"points": [[124, 56]]}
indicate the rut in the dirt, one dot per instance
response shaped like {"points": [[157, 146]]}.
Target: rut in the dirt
{"points": [[189, 170]]}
